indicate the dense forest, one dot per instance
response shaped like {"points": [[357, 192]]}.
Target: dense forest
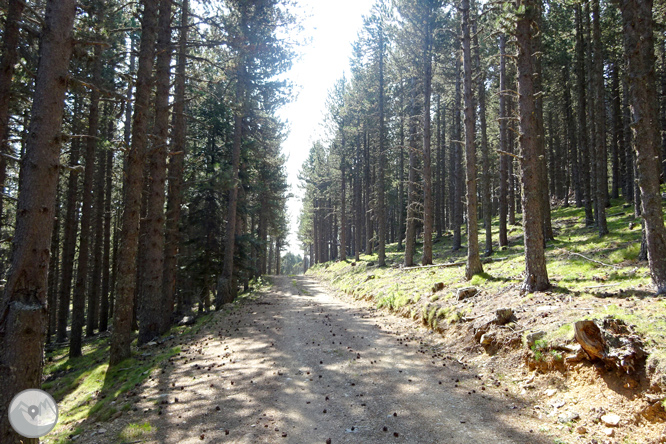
{"points": [[142, 174], [466, 114], [141, 168]]}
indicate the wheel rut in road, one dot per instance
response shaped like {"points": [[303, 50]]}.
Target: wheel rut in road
{"points": [[298, 365]]}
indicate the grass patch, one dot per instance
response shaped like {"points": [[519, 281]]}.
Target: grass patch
{"points": [[132, 432]]}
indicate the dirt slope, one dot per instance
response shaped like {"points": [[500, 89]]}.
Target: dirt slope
{"points": [[297, 365]]}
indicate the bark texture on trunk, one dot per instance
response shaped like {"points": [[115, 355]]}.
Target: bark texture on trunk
{"points": [[474, 266], [503, 143], [23, 307], [536, 275], [81, 286], [428, 207], [129, 243], [639, 50], [176, 168], [152, 321], [10, 41]]}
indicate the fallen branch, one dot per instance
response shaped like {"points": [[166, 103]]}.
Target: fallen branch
{"points": [[592, 260], [600, 286]]}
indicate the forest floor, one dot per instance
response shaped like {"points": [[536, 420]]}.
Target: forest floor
{"points": [[297, 364], [535, 354]]}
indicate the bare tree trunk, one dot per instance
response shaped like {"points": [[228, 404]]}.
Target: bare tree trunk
{"points": [[367, 201], [80, 288], [485, 155], [536, 275], [600, 123], [474, 266], [503, 143], [129, 237], [618, 136], [106, 261], [54, 270], [571, 141], [456, 166], [381, 199], [70, 232], [10, 42], [152, 317], [401, 173], [639, 50], [428, 209], [412, 198], [176, 168], [23, 309], [343, 205], [226, 286], [582, 119], [97, 251]]}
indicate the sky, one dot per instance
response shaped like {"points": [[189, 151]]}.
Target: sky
{"points": [[331, 27]]}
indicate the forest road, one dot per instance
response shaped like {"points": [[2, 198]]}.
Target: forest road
{"points": [[297, 365]]}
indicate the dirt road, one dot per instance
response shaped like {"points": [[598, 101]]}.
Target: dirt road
{"points": [[297, 365]]}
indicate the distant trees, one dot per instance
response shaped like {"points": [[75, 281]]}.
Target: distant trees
{"points": [[556, 130]]}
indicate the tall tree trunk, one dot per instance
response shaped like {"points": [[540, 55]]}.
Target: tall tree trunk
{"points": [[80, 288], [571, 141], [367, 201], [129, 237], [106, 253], [54, 271], [176, 168], [152, 317], [381, 199], [474, 266], [541, 135], [485, 154], [92, 319], [503, 145], [23, 308], [600, 123], [639, 50], [70, 232], [536, 275], [618, 136], [428, 208], [582, 118], [10, 41], [456, 166], [412, 198], [226, 286], [402, 211], [343, 204]]}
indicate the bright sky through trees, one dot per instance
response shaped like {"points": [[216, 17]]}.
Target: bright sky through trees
{"points": [[331, 27]]}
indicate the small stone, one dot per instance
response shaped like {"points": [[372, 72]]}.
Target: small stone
{"points": [[101, 431], [611, 420], [550, 392], [609, 432], [503, 316], [466, 293], [581, 430], [487, 338], [439, 286]]}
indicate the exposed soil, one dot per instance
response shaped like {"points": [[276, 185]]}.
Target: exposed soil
{"points": [[298, 365]]}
